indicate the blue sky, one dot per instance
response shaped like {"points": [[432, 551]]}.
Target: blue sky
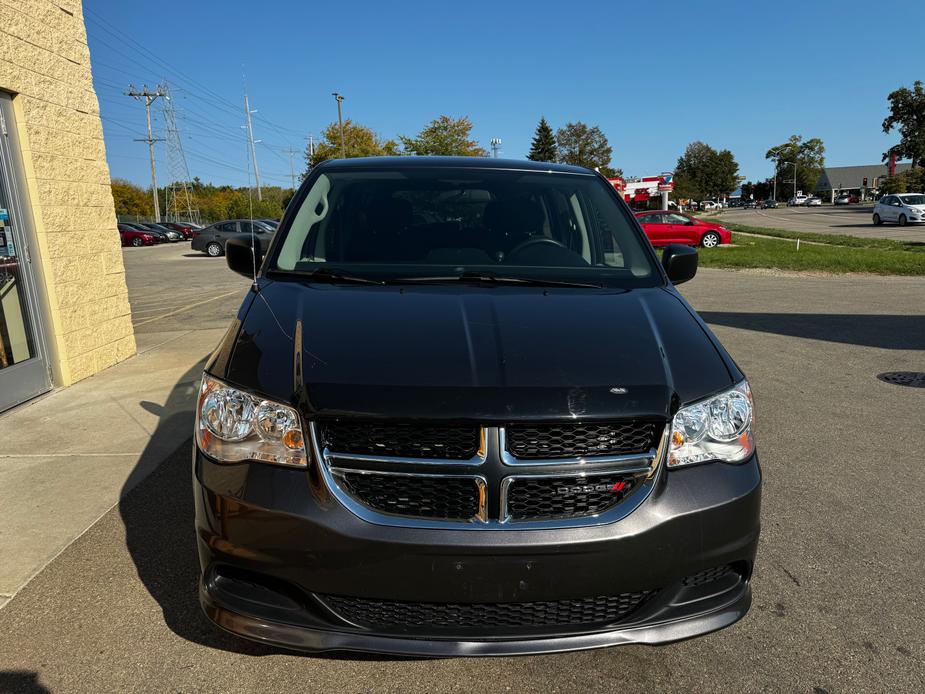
{"points": [[653, 75]]}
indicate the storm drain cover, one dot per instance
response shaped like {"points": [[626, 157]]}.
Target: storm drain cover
{"points": [[913, 379]]}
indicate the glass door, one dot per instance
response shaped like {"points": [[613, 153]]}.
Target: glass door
{"points": [[23, 363]]}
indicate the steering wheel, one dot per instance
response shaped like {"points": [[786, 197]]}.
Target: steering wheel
{"points": [[536, 241]]}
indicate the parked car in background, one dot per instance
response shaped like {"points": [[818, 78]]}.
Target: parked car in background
{"points": [[136, 237], [903, 208], [768, 204], [172, 236], [813, 202], [211, 239], [663, 227], [400, 448], [749, 205], [846, 199], [796, 200], [183, 228], [273, 223], [159, 236], [709, 205]]}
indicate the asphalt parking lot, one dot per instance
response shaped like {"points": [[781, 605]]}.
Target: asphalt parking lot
{"points": [[838, 585], [850, 220]]}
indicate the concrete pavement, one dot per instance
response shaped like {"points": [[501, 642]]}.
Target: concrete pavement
{"points": [[838, 603], [848, 220]]}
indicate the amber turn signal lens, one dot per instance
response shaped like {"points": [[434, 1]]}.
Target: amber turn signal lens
{"points": [[293, 439]]}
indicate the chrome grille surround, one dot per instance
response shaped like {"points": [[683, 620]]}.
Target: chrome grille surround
{"points": [[494, 472]]}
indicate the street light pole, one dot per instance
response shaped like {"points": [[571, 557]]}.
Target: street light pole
{"points": [[340, 122]]}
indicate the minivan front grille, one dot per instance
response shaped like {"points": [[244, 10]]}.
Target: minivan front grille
{"points": [[442, 497], [576, 496], [536, 441], [402, 439], [389, 615], [524, 475]]}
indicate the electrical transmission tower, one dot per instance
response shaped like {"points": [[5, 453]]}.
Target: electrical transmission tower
{"points": [[180, 205], [149, 98]]}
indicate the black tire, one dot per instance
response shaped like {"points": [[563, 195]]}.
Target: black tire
{"points": [[902, 220], [137, 242], [711, 240], [214, 249], [877, 220]]}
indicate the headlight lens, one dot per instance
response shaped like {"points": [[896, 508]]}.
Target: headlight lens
{"points": [[719, 428], [233, 426]]}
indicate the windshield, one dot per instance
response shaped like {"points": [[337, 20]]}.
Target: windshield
{"points": [[913, 199], [446, 223]]}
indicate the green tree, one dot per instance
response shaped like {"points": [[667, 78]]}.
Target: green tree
{"points": [[702, 172], [907, 114], [444, 136], [581, 145], [131, 200], [360, 142], [809, 156], [909, 181], [543, 147]]}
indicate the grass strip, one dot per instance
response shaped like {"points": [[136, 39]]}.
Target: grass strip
{"points": [[754, 252], [832, 239]]}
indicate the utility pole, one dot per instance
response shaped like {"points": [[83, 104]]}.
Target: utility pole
{"points": [[291, 153], [250, 140], [776, 153], [340, 122], [495, 146], [149, 98]]}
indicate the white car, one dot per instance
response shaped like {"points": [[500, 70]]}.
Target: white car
{"points": [[903, 208], [813, 202], [709, 205], [796, 201]]}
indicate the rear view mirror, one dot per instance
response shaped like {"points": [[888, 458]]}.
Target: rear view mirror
{"points": [[241, 258], [680, 262]]}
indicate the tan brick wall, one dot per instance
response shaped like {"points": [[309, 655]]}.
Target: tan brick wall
{"points": [[45, 65]]}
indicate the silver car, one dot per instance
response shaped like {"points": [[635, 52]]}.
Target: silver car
{"points": [[903, 208]]}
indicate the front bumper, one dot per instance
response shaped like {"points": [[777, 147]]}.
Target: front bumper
{"points": [[273, 545]]}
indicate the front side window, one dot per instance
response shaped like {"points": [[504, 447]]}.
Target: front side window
{"points": [[423, 222]]}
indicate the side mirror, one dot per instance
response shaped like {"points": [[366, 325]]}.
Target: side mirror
{"points": [[241, 258], [680, 262]]}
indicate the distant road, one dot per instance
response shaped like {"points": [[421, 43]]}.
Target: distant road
{"points": [[850, 220]]}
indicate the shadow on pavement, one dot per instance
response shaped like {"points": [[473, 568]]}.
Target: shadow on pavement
{"points": [[21, 682], [159, 531], [158, 515], [881, 331]]}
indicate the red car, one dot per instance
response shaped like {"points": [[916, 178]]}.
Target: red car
{"points": [[664, 227], [135, 237]]}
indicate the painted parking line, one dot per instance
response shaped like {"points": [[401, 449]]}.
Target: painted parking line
{"points": [[187, 308]]}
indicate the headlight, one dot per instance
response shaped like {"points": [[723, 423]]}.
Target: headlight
{"points": [[719, 428], [232, 426]]}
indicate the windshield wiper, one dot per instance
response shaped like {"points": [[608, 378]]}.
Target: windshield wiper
{"points": [[330, 275], [492, 278]]}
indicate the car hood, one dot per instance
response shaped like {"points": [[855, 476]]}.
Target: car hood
{"points": [[490, 354]]}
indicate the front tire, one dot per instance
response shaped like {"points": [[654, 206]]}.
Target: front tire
{"points": [[902, 220], [710, 240], [214, 249], [877, 220], [137, 242]]}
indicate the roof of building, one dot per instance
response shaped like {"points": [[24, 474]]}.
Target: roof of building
{"points": [[850, 177]]}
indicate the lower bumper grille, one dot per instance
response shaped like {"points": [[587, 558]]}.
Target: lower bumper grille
{"points": [[386, 615], [418, 496], [549, 498]]}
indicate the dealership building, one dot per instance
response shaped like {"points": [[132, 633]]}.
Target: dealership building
{"points": [[853, 179], [64, 310]]}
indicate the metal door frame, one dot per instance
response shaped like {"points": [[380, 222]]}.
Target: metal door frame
{"points": [[32, 377]]}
